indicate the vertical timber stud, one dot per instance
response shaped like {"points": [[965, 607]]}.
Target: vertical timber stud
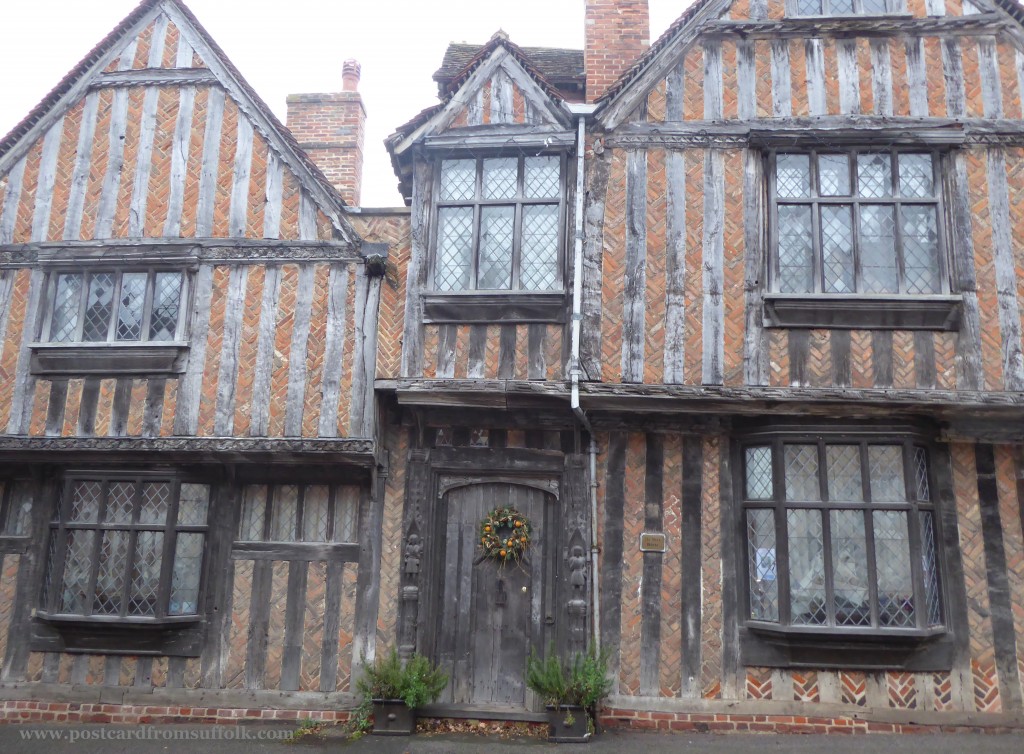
{"points": [[733, 679], [650, 597], [714, 256], [692, 494], [611, 561], [675, 267], [412, 339], [220, 577], [956, 586], [575, 513], [964, 279], [998, 580], [30, 573], [634, 331], [755, 341], [593, 256], [371, 522]]}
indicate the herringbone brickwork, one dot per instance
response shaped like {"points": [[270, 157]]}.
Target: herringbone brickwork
{"points": [[313, 626], [279, 598], [942, 691], [632, 564], [614, 270], [9, 565], [733, 269], [670, 657], [805, 686], [238, 634], [654, 309], [1013, 542], [854, 687], [214, 344], [711, 581], [759, 684], [798, 75], [902, 690]]}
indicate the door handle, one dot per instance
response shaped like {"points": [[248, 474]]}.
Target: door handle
{"points": [[549, 620]]}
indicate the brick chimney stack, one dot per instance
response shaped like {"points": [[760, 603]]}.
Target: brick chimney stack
{"points": [[617, 33], [331, 128]]}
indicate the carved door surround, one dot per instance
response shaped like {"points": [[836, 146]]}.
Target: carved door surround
{"points": [[436, 475]]}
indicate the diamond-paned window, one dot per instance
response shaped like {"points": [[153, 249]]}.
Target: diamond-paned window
{"points": [[844, 545], [105, 306], [499, 224], [857, 222], [15, 507], [298, 513], [843, 7], [111, 539]]}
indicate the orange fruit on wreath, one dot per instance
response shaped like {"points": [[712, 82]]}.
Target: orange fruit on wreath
{"points": [[501, 553]]}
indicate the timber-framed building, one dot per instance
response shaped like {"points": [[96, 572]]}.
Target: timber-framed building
{"points": [[731, 321]]}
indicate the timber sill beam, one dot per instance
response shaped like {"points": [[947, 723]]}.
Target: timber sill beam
{"points": [[807, 132], [499, 394], [155, 77], [857, 26], [847, 402]]}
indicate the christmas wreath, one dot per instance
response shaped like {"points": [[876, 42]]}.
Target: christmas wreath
{"points": [[504, 535]]}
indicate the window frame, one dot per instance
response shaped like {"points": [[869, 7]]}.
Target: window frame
{"points": [[478, 202], [786, 644], [855, 201], [892, 8], [108, 357], [59, 525], [119, 271]]}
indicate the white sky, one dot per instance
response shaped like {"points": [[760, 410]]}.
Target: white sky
{"points": [[285, 46]]}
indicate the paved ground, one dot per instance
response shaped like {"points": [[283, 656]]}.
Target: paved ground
{"points": [[110, 739]]}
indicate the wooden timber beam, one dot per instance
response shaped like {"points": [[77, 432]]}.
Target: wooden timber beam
{"points": [[155, 77], [857, 26]]}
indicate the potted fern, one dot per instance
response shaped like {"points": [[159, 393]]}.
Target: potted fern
{"points": [[571, 690], [396, 690]]}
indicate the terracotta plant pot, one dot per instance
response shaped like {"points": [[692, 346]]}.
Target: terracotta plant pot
{"points": [[568, 724], [391, 717]]}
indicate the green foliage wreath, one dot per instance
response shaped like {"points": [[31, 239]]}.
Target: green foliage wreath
{"points": [[504, 535]]}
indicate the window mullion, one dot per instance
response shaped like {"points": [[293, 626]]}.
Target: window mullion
{"points": [[332, 502], [781, 538], [133, 537], [57, 572], [869, 536], [858, 272], [773, 221], [817, 242], [115, 308], [170, 545], [897, 227], [269, 511], [147, 305], [184, 293], [826, 536], [94, 564], [300, 510], [83, 298], [474, 253], [914, 532]]}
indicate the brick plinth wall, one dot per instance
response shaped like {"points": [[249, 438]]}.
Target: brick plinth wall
{"points": [[705, 722], [617, 33], [331, 129], [137, 714]]}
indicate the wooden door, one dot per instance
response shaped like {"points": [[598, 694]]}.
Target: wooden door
{"points": [[491, 614]]}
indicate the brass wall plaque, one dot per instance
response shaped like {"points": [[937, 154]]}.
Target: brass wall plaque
{"points": [[652, 542]]}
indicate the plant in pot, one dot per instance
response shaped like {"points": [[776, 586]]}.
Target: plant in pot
{"points": [[571, 690], [396, 689]]}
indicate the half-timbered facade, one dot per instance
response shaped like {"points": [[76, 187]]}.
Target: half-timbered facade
{"points": [[186, 463], [732, 321]]}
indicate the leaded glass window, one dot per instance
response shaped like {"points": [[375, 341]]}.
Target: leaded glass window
{"points": [[127, 546], [844, 7], [298, 513], [857, 222], [840, 534], [111, 306], [499, 223]]}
